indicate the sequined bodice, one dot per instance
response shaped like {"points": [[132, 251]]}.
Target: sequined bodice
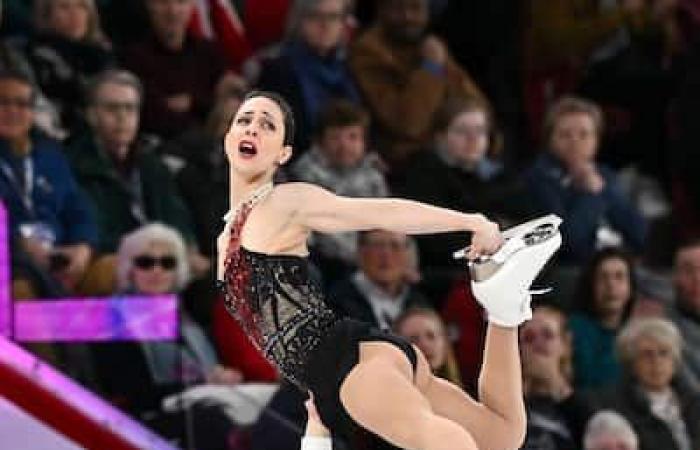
{"points": [[276, 302]]}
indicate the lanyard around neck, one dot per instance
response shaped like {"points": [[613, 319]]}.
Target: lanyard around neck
{"points": [[26, 189]]}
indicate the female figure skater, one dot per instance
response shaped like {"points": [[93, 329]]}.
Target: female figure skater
{"points": [[361, 377]]}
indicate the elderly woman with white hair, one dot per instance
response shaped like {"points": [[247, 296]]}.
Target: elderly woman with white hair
{"points": [[152, 260], [608, 430], [311, 66], [663, 409]]}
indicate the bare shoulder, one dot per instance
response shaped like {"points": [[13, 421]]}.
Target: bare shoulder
{"points": [[296, 194]]}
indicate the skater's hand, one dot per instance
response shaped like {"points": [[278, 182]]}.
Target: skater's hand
{"points": [[486, 239]]}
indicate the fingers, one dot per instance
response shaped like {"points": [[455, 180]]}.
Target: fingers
{"points": [[481, 248]]}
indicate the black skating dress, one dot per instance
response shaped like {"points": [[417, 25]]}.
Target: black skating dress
{"points": [[281, 308]]}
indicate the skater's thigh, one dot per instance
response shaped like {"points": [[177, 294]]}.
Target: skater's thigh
{"points": [[379, 394]]}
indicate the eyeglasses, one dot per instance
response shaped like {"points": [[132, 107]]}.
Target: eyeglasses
{"points": [[17, 102], [115, 107], [652, 354], [147, 262]]}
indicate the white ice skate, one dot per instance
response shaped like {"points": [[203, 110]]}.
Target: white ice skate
{"points": [[501, 282]]}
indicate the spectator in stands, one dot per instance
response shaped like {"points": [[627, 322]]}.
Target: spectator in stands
{"points": [[405, 74], [67, 50], [605, 299], [685, 311], [566, 180], [127, 183], [181, 74], [634, 77], [13, 58], [558, 41], [663, 409], [311, 67], [152, 260], [463, 171], [339, 162], [378, 291], [608, 430], [51, 222], [554, 411], [423, 327]]}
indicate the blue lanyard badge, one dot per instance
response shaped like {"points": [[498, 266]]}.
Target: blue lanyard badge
{"points": [[26, 189]]}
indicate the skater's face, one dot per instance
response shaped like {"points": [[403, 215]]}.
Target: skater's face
{"points": [[612, 286], [687, 276], [254, 143], [428, 333], [574, 139], [468, 137], [653, 363], [154, 269]]}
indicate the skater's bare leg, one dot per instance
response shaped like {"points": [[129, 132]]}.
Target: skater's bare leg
{"points": [[379, 394]]}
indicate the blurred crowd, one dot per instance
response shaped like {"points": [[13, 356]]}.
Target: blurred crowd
{"points": [[112, 169]]}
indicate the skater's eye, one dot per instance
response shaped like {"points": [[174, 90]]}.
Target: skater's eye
{"points": [[268, 125], [243, 120]]}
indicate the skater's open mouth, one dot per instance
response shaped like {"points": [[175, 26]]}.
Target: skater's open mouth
{"points": [[247, 148]]}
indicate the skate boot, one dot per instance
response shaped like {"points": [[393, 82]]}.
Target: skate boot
{"points": [[501, 282]]}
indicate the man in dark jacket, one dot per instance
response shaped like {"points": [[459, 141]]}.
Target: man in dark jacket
{"points": [[125, 178], [379, 291]]}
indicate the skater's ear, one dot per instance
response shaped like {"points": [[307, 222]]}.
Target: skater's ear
{"points": [[285, 155]]}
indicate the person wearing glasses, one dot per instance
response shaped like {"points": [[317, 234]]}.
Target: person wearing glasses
{"points": [[656, 397], [151, 261], [51, 222], [120, 170]]}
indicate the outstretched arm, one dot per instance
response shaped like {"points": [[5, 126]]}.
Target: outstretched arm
{"points": [[320, 210]]}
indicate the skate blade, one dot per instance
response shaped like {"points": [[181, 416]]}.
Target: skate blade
{"points": [[516, 238]]}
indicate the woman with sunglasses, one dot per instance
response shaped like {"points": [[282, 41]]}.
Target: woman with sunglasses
{"points": [[361, 378], [151, 261]]}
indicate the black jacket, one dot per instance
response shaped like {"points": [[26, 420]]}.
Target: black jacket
{"points": [[653, 433], [347, 301]]}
